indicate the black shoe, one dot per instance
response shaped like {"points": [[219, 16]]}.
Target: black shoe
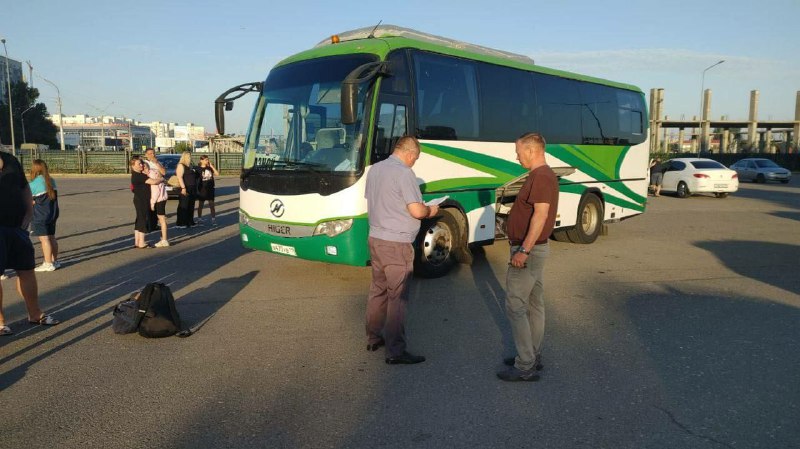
{"points": [[510, 361], [514, 374], [405, 359], [375, 346]]}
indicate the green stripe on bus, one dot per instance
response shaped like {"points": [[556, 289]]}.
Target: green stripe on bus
{"points": [[502, 169], [603, 165], [607, 197]]}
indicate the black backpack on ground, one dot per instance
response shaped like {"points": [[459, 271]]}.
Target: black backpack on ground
{"points": [[159, 316], [126, 316], [152, 312]]}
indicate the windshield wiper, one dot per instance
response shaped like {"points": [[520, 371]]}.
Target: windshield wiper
{"points": [[310, 165]]}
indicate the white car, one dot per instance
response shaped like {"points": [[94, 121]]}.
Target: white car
{"points": [[690, 175]]}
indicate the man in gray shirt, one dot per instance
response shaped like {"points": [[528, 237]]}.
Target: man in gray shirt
{"points": [[395, 208]]}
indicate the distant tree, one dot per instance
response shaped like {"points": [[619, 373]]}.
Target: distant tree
{"points": [[38, 128], [180, 147]]}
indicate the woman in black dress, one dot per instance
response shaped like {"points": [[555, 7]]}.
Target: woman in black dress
{"points": [[206, 188], [188, 181], [140, 185]]}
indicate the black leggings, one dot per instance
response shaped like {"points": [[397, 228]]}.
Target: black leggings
{"points": [[186, 210]]}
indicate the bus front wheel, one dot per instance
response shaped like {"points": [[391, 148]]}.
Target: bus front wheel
{"points": [[590, 220], [437, 244]]}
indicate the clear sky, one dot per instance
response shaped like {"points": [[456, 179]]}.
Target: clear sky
{"points": [[168, 60]]}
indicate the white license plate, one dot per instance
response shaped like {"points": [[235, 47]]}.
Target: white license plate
{"points": [[283, 249], [720, 186]]}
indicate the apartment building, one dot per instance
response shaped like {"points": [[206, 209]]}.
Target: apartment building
{"points": [[15, 70], [110, 133]]}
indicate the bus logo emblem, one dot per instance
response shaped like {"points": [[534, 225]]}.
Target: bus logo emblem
{"points": [[276, 207]]}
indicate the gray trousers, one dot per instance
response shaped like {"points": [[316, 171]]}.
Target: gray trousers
{"points": [[525, 305], [392, 266]]}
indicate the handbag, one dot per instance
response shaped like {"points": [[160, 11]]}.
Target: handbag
{"points": [[126, 316]]}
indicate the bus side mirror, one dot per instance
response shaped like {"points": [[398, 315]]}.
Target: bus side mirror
{"points": [[349, 99], [219, 117], [350, 84], [225, 101]]}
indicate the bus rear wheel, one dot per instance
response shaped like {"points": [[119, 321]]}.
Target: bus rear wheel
{"points": [[437, 244], [590, 220]]}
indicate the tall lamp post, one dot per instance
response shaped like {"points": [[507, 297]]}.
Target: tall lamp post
{"points": [[10, 108], [22, 117], [702, 145], [60, 114]]}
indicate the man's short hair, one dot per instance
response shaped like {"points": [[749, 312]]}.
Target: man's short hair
{"points": [[529, 140], [407, 143]]}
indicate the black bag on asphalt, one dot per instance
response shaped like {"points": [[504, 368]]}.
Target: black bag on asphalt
{"points": [[126, 316], [160, 317]]}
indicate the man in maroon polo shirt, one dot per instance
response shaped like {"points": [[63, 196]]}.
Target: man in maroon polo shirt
{"points": [[529, 226]]}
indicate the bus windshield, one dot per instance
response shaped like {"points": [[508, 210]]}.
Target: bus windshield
{"points": [[297, 122]]}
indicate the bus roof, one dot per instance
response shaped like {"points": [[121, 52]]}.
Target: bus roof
{"points": [[385, 31], [382, 39]]}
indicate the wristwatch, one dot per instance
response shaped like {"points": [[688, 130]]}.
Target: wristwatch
{"points": [[523, 251]]}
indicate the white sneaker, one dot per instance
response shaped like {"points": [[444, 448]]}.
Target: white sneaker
{"points": [[213, 222], [162, 244], [199, 220], [45, 267]]}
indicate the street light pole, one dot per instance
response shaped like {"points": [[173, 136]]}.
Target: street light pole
{"points": [[60, 114], [10, 108], [702, 145], [22, 117]]}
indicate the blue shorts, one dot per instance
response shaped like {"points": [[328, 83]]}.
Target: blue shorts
{"points": [[16, 250], [43, 229]]}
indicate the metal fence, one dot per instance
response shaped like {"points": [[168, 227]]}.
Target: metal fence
{"points": [[110, 162]]}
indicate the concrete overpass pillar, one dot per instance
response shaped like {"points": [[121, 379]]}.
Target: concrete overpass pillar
{"points": [[752, 127], [705, 123], [796, 129], [768, 141], [656, 111], [653, 120], [726, 134]]}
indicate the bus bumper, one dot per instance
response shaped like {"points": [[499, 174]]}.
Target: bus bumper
{"points": [[347, 248]]}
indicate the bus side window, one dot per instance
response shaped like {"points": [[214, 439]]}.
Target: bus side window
{"points": [[391, 127]]}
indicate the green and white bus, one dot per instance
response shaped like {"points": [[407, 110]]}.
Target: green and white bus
{"points": [[325, 115]]}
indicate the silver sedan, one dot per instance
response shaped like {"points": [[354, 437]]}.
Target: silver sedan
{"points": [[761, 170]]}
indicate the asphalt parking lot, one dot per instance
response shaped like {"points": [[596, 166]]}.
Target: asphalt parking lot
{"points": [[679, 329]]}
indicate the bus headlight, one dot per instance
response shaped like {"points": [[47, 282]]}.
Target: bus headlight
{"points": [[243, 218], [334, 227]]}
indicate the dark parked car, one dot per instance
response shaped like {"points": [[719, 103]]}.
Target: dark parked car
{"points": [[761, 170], [170, 163]]}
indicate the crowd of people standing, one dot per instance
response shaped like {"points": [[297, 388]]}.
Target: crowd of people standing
{"points": [[149, 187], [21, 209], [29, 208]]}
